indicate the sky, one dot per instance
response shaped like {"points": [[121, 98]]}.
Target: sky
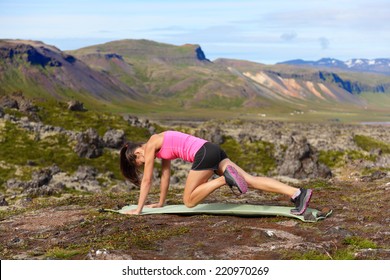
{"points": [[257, 30]]}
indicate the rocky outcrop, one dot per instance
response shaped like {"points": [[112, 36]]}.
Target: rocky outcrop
{"points": [[3, 202], [200, 54], [114, 138], [34, 55], [52, 181], [8, 102], [19, 102], [301, 161], [212, 134], [85, 172], [89, 144], [137, 122], [76, 105], [40, 184]]}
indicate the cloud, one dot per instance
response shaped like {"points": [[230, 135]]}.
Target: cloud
{"points": [[324, 42], [289, 36], [257, 30]]}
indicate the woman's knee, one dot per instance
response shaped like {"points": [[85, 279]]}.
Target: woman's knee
{"points": [[188, 202]]}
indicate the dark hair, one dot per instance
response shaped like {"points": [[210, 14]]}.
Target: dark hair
{"points": [[128, 166]]}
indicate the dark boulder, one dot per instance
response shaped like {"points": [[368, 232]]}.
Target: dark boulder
{"points": [[301, 161], [8, 102], [89, 144], [85, 172], [135, 121], [40, 183], [114, 138], [19, 102], [212, 134], [3, 202], [75, 105]]}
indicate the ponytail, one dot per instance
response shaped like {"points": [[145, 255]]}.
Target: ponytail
{"points": [[128, 166]]}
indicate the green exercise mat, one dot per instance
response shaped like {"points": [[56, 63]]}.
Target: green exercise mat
{"points": [[311, 215]]}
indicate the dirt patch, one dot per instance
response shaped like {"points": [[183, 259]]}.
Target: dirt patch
{"points": [[45, 219]]}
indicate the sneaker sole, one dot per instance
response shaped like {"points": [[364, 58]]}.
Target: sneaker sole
{"points": [[306, 203], [240, 183]]}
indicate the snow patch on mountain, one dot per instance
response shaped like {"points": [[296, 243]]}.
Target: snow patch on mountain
{"points": [[378, 65]]}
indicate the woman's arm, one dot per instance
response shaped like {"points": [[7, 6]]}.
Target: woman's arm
{"points": [[165, 177], [164, 185], [151, 146]]}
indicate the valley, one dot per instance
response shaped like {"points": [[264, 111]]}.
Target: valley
{"points": [[158, 80]]}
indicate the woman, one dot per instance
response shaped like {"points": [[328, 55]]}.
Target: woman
{"points": [[207, 159]]}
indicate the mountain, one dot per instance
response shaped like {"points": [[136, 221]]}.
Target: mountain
{"points": [[379, 65], [309, 87], [172, 76], [146, 50], [150, 77], [42, 70]]}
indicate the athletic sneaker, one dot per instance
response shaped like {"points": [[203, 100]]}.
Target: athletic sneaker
{"points": [[233, 179], [301, 201]]}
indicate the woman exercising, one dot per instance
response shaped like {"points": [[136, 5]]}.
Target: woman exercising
{"points": [[207, 159]]}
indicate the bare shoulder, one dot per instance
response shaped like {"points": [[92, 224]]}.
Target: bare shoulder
{"points": [[156, 140]]}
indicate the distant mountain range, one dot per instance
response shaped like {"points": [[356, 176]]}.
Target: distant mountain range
{"points": [[378, 65], [147, 76]]}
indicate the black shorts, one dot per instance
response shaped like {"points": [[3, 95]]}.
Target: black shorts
{"points": [[208, 157]]}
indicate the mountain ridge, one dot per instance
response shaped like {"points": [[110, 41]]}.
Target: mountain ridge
{"points": [[56, 71], [376, 65], [148, 76]]}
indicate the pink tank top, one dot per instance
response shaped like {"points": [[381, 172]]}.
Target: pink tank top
{"points": [[179, 145]]}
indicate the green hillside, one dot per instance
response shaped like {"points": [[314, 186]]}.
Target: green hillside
{"points": [[167, 81]]}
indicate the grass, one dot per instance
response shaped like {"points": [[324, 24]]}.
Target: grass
{"points": [[56, 114], [341, 254], [19, 147], [318, 184], [335, 159], [58, 253], [5, 174], [351, 245], [254, 156], [368, 144], [357, 242], [218, 102]]}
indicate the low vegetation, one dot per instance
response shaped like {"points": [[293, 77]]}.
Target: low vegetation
{"points": [[256, 156], [354, 231], [369, 144]]}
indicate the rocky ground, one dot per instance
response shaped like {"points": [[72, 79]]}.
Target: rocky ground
{"points": [[71, 227], [55, 214]]}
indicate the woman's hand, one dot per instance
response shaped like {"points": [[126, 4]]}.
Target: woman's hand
{"points": [[155, 205]]}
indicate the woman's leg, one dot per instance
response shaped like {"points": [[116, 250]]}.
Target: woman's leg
{"points": [[260, 183], [198, 187]]}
